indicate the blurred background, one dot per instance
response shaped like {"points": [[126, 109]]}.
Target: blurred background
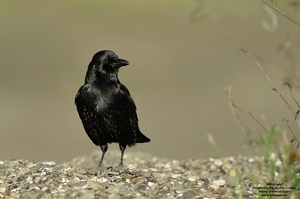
{"points": [[182, 54]]}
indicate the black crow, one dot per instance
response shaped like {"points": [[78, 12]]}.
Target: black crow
{"points": [[104, 104]]}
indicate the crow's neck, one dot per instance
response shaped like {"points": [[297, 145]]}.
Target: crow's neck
{"points": [[96, 77]]}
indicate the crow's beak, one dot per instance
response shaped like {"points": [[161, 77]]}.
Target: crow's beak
{"points": [[119, 63]]}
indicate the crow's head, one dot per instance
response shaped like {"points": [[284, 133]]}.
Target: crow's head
{"points": [[104, 63]]}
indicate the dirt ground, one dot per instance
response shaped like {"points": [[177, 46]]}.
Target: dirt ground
{"points": [[182, 54]]}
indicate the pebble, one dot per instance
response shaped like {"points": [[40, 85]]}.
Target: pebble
{"points": [[219, 182]]}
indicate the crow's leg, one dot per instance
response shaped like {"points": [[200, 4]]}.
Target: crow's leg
{"points": [[103, 149], [122, 148]]}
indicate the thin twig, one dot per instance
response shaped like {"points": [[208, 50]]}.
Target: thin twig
{"points": [[280, 12], [291, 92], [275, 140], [258, 122], [269, 80], [295, 137]]}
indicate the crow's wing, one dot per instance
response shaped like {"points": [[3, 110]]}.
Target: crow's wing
{"points": [[122, 110], [128, 127], [91, 121]]}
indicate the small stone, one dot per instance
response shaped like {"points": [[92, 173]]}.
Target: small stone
{"points": [[3, 177], [112, 189], [193, 178], [150, 184], [113, 173], [10, 170], [23, 171], [48, 163], [218, 162], [140, 188], [189, 194], [30, 165], [214, 187], [26, 194], [123, 190], [2, 190], [219, 182], [175, 175], [45, 189], [131, 166], [87, 195], [178, 186], [114, 196]]}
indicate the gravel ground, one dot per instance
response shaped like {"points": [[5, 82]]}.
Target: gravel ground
{"points": [[143, 176]]}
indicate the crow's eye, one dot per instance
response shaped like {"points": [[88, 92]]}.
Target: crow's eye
{"points": [[109, 61], [107, 64], [106, 61]]}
